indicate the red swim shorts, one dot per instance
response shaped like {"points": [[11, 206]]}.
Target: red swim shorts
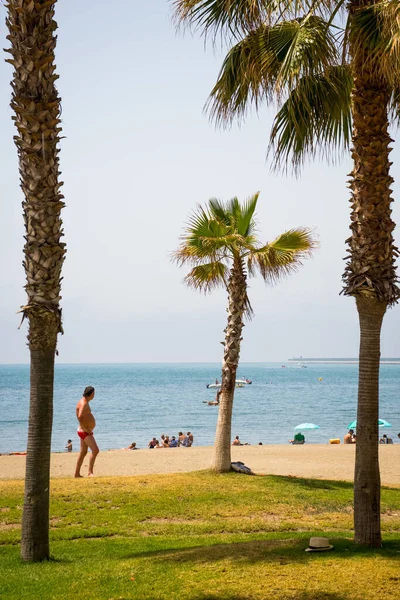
{"points": [[83, 434]]}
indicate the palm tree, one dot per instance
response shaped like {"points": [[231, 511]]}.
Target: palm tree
{"points": [[36, 105], [220, 243], [334, 68]]}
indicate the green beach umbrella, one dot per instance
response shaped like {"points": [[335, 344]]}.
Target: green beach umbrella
{"points": [[381, 423], [307, 426]]}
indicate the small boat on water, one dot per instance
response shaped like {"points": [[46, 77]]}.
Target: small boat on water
{"points": [[238, 383]]}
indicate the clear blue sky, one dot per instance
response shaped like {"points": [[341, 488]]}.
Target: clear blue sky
{"points": [[139, 154]]}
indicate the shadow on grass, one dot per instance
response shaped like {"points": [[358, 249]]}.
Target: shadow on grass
{"points": [[321, 484], [314, 484], [287, 551], [300, 596], [279, 551]]}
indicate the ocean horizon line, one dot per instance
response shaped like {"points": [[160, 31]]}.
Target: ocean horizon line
{"points": [[314, 360], [157, 362]]}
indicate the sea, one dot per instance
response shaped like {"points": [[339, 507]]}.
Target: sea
{"points": [[135, 402]]}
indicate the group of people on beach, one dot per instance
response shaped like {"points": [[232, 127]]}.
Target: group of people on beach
{"points": [[351, 438], [166, 441], [87, 423]]}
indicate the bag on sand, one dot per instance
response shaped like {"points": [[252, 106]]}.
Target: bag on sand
{"points": [[240, 467]]}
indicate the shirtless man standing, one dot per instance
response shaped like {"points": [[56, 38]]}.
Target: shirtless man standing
{"points": [[85, 431]]}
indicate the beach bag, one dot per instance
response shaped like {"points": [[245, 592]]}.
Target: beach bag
{"points": [[240, 467]]}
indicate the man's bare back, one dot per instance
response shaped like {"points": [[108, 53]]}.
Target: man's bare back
{"points": [[87, 423]]}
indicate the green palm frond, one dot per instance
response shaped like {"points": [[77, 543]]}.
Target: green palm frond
{"points": [[219, 16], [316, 118], [375, 31], [234, 210], [218, 210], [201, 224], [207, 277], [233, 17], [268, 62], [217, 239], [196, 253], [217, 233], [301, 241], [246, 223], [283, 256], [203, 239]]}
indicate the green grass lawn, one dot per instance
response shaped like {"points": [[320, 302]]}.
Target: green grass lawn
{"points": [[199, 536]]}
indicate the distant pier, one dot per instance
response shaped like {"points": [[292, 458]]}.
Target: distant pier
{"points": [[341, 361]]}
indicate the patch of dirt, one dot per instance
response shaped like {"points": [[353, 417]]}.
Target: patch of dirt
{"points": [[268, 517], [161, 520], [8, 526], [390, 516]]}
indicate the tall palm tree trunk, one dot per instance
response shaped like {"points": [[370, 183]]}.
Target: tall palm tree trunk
{"points": [[367, 527], [35, 517], [233, 336], [370, 274], [36, 104]]}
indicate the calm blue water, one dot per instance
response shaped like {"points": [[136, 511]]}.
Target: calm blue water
{"points": [[136, 401]]}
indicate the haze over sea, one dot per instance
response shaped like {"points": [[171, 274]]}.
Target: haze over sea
{"points": [[135, 402]]}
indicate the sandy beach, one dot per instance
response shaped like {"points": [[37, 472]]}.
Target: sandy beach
{"points": [[314, 460]]}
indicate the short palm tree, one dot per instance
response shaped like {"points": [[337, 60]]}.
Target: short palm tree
{"points": [[220, 244], [36, 105], [334, 68]]}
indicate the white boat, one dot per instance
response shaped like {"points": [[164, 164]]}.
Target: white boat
{"points": [[302, 365], [238, 383]]}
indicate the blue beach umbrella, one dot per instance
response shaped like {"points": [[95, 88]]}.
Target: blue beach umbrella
{"points": [[307, 426], [381, 423]]}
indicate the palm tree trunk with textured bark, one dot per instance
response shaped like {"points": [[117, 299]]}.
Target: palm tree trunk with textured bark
{"points": [[36, 105], [367, 482], [370, 274], [233, 337], [35, 518]]}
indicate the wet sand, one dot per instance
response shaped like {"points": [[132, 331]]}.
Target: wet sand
{"points": [[315, 460]]}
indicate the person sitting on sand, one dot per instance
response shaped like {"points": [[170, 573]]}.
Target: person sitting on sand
{"points": [[181, 438], [132, 447], [68, 447], [153, 443], [385, 439], [174, 442], [298, 439], [236, 441], [349, 438], [188, 441]]}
